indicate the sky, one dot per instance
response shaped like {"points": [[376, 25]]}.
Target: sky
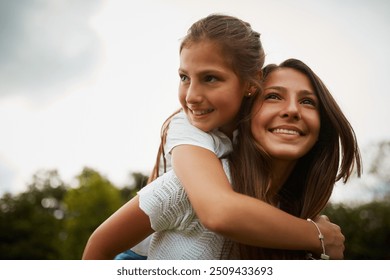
{"points": [[89, 83]]}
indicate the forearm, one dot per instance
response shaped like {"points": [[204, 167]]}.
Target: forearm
{"points": [[236, 216], [253, 222], [128, 226]]}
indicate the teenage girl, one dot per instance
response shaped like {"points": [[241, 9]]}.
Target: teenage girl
{"points": [[293, 149]]}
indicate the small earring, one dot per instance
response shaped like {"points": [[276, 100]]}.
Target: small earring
{"points": [[249, 94]]}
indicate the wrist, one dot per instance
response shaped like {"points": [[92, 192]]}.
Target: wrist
{"points": [[321, 238]]}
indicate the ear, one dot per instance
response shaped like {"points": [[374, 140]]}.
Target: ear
{"points": [[251, 91]]}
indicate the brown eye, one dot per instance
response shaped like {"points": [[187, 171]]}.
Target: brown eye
{"points": [[210, 79], [271, 96], [308, 101]]}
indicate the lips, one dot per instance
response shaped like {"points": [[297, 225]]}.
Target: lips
{"points": [[201, 112], [286, 131]]}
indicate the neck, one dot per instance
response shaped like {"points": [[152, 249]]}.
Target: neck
{"points": [[280, 170], [228, 130]]}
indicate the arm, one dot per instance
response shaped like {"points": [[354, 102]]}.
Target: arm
{"points": [[243, 218], [125, 228]]}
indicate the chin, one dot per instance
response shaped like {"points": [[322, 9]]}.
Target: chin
{"points": [[286, 156]]}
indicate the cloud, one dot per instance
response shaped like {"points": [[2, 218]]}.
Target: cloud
{"points": [[45, 43]]}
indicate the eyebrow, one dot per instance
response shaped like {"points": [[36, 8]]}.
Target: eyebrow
{"points": [[214, 71], [304, 92], [274, 87]]}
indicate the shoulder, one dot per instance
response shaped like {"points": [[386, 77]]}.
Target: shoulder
{"points": [[180, 122], [181, 131]]}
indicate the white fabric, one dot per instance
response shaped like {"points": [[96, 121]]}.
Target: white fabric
{"points": [[165, 201], [142, 247], [179, 233], [181, 132]]}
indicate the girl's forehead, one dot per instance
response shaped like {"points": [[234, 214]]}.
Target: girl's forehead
{"points": [[206, 44], [204, 53], [288, 78]]}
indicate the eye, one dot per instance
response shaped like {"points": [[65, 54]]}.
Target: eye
{"points": [[272, 96], [183, 77], [210, 79], [309, 101]]}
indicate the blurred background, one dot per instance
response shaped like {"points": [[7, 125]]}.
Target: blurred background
{"points": [[86, 85]]}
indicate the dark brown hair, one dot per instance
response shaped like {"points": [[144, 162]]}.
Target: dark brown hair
{"points": [[309, 186]]}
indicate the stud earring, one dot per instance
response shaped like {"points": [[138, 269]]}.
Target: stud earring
{"points": [[249, 94]]}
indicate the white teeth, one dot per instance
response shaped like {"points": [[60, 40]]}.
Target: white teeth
{"points": [[285, 131], [201, 112]]}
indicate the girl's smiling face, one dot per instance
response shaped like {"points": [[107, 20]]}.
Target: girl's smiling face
{"points": [[210, 92], [286, 120]]}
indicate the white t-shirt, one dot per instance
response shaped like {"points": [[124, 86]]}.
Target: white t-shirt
{"points": [[179, 234], [181, 131]]}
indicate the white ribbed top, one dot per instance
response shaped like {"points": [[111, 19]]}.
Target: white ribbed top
{"points": [[179, 233]]}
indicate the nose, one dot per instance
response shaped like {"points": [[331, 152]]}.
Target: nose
{"points": [[291, 110], [194, 94]]}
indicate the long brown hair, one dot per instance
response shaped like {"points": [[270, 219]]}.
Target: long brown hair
{"points": [[243, 50], [309, 187]]}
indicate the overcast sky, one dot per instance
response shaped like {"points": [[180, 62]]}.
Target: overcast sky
{"points": [[89, 83]]}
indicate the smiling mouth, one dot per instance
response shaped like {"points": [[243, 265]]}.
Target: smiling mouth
{"points": [[285, 131], [201, 112]]}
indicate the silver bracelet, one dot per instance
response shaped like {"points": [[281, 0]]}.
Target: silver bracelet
{"points": [[324, 256]]}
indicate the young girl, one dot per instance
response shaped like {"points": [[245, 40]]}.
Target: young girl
{"points": [[221, 60]]}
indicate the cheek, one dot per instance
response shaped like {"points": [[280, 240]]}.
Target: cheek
{"points": [[233, 94], [182, 96], [258, 128], [230, 104], [262, 118], [314, 132], [315, 126], [233, 104]]}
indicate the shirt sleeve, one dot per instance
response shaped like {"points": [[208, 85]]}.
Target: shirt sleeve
{"points": [[181, 131]]}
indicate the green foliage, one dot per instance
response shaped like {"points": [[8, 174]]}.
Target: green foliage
{"points": [[87, 206], [366, 229], [30, 223], [139, 181], [53, 221]]}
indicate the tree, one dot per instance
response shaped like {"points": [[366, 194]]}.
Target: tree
{"points": [[87, 206], [53, 221], [31, 222], [138, 181], [366, 228]]}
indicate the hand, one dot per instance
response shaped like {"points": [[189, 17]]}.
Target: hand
{"points": [[333, 238]]}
